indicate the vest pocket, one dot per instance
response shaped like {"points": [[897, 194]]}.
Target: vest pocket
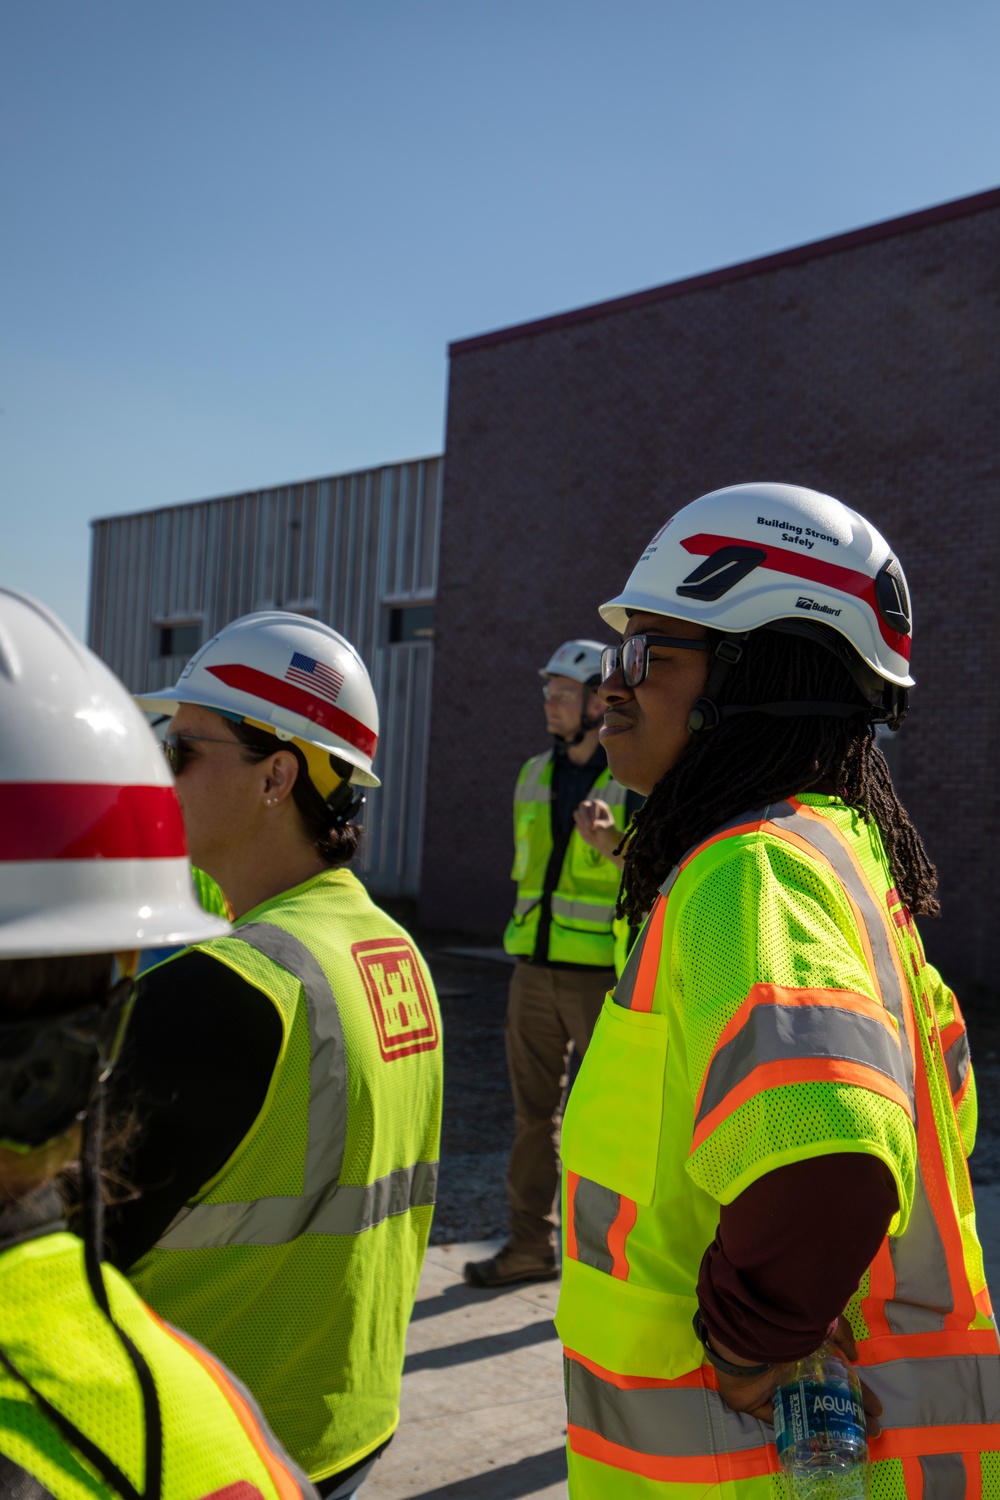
{"points": [[611, 1131]]}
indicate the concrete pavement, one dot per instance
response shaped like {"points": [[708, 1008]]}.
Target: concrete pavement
{"points": [[482, 1412]]}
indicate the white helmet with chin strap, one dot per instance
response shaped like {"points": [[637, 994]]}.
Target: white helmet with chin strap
{"points": [[579, 660], [788, 558], [298, 679]]}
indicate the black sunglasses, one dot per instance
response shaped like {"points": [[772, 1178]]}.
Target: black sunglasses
{"points": [[175, 748], [632, 656]]}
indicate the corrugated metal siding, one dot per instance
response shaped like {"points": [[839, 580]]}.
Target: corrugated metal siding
{"points": [[345, 549]]}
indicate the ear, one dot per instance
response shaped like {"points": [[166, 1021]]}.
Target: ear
{"points": [[279, 778]]}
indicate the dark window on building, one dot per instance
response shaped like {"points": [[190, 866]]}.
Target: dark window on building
{"points": [[178, 640], [415, 622]]}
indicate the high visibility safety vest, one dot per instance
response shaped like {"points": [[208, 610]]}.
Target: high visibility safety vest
{"points": [[215, 1443], [776, 1006], [585, 896], [298, 1263]]}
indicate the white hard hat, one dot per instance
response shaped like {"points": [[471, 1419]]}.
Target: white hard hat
{"points": [[295, 676], [92, 851], [580, 660], [752, 554]]}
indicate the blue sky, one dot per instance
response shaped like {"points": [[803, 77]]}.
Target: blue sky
{"points": [[238, 236]]}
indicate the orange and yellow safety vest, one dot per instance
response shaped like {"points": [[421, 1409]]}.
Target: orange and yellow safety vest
{"points": [[777, 1006]]}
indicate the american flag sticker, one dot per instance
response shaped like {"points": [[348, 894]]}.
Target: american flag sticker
{"points": [[316, 678]]}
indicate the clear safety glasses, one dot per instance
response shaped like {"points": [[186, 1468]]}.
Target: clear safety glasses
{"points": [[632, 656]]}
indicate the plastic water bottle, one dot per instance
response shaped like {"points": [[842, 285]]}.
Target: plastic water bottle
{"points": [[819, 1429]]}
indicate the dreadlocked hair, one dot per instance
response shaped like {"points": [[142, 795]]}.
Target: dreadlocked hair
{"points": [[751, 760]]}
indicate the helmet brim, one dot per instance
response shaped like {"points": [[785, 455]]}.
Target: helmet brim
{"points": [[166, 701]]}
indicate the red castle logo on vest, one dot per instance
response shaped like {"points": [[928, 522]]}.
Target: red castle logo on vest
{"points": [[397, 995]]}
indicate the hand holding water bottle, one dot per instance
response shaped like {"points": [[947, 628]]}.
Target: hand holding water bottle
{"points": [[755, 1396]]}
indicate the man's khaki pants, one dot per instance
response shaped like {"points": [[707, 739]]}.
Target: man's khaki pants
{"points": [[547, 1009]]}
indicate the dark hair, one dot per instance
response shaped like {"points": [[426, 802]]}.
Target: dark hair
{"points": [[753, 759], [54, 984], [335, 842]]}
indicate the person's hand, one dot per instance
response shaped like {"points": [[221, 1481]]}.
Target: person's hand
{"points": [[596, 826], [754, 1395]]}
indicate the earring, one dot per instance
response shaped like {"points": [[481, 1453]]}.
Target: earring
{"points": [[270, 801]]}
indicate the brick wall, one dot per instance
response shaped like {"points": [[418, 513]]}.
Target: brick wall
{"points": [[868, 367]]}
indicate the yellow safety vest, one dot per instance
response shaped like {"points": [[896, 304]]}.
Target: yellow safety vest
{"points": [[776, 1006], [298, 1263], [584, 899], [215, 1443]]}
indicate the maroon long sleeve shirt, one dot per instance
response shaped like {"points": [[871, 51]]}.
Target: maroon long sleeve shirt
{"points": [[790, 1253]]}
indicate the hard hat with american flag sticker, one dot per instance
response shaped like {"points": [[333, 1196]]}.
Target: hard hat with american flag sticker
{"points": [[295, 676]]}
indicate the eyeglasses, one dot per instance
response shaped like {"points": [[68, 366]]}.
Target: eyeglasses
{"points": [[559, 695], [175, 748], [632, 656]]}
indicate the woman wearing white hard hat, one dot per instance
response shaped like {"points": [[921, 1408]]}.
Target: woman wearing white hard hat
{"points": [[98, 1397], [288, 1076], [766, 1147]]}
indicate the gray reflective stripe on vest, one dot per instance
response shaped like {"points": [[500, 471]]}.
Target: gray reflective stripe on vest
{"points": [[530, 788], [923, 1294], [275, 1221], [956, 1060], [683, 1422], [826, 842], [595, 1209], [524, 904], [327, 1055], [582, 911], [945, 1477], [947, 1391], [775, 1033], [341, 1208]]}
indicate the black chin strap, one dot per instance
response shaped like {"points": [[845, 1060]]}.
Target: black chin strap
{"points": [[93, 1224]]}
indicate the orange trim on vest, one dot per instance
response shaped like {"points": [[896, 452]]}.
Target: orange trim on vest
{"points": [[621, 1227], [776, 994], [727, 833], [982, 1301], [973, 1476], [939, 1345], [708, 1469], [704, 1377], [287, 1487], [774, 1075], [569, 1228], [968, 1438], [649, 959], [928, 1144], [881, 1289], [913, 1478]]}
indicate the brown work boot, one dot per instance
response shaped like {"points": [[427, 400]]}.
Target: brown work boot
{"points": [[509, 1265]]}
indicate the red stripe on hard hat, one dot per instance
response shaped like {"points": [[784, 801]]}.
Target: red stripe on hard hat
{"points": [[287, 695], [43, 820], [797, 565]]}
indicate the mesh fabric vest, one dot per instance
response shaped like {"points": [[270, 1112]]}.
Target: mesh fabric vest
{"points": [[584, 899], [54, 1334], [777, 1006], [298, 1263]]}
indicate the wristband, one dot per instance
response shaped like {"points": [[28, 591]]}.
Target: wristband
{"points": [[742, 1372]]}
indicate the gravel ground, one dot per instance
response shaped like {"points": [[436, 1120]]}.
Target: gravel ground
{"points": [[478, 1113], [477, 1130]]}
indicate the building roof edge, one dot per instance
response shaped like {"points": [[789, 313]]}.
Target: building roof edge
{"points": [[940, 213], [261, 489]]}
